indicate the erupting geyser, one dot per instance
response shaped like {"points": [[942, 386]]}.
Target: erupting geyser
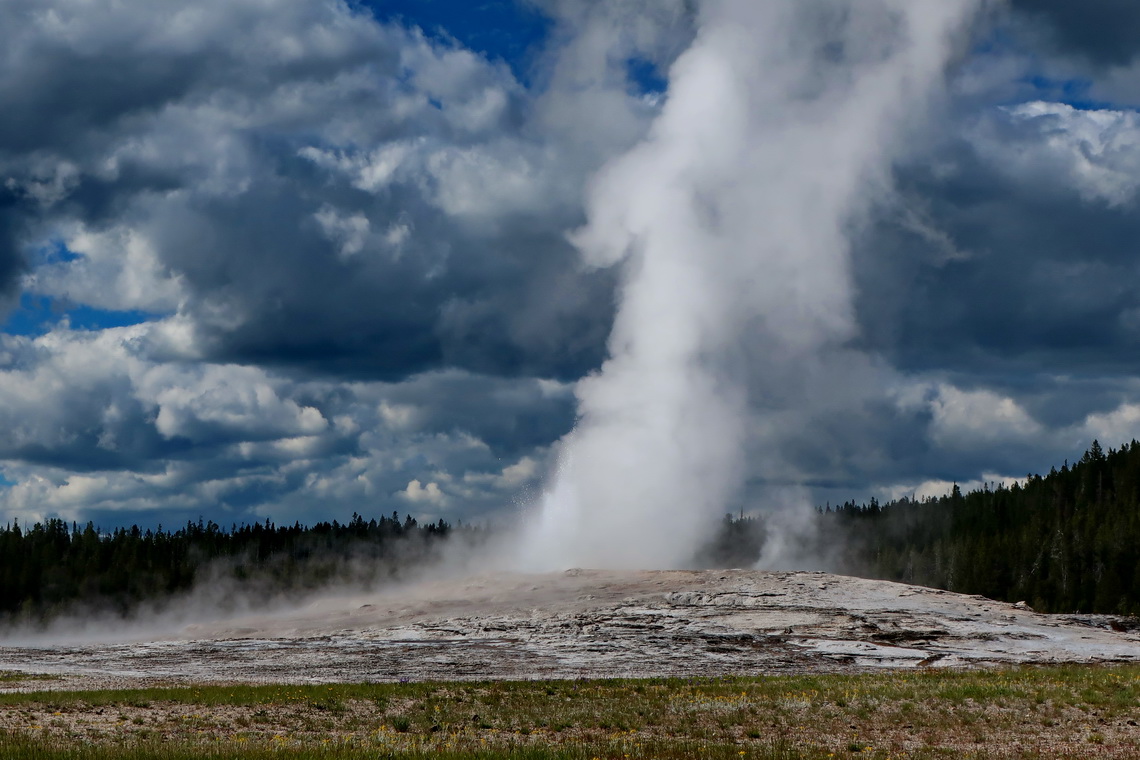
{"points": [[730, 224]]}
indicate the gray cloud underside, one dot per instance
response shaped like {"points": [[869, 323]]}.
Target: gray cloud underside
{"points": [[1106, 32], [356, 240], [93, 424], [325, 190]]}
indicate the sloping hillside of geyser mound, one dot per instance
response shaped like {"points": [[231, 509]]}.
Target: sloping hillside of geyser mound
{"points": [[596, 623]]}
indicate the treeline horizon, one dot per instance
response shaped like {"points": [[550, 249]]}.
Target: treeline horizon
{"points": [[1065, 542], [53, 566]]}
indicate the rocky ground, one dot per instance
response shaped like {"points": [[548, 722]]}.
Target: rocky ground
{"points": [[591, 623]]}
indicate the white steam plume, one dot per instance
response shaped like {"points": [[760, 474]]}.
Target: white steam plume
{"points": [[730, 222]]}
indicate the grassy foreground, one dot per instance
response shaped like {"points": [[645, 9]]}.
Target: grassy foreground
{"points": [[1051, 712]]}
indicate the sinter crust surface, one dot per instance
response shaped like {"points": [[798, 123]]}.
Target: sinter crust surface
{"points": [[596, 623]]}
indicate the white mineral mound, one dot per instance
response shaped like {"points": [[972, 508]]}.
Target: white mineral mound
{"points": [[594, 623]]}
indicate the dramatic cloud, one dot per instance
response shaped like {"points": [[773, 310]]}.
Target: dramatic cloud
{"points": [[292, 259], [288, 186], [96, 424], [1017, 246], [1105, 31], [302, 183]]}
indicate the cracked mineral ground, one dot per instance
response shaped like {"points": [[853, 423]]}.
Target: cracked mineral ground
{"points": [[592, 624]]}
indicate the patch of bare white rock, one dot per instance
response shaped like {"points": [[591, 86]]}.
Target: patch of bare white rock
{"points": [[599, 623]]}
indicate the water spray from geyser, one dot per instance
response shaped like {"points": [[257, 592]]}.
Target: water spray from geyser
{"points": [[729, 222]]}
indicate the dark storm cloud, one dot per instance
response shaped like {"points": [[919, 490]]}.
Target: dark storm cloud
{"points": [[999, 286], [75, 73], [328, 192], [273, 291], [997, 311], [356, 240], [351, 239], [1007, 259], [13, 211], [1103, 31], [510, 417], [1019, 301]]}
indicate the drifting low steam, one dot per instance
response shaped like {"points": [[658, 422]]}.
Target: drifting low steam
{"points": [[730, 224]]}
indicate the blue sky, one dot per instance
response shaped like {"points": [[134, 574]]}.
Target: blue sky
{"points": [[503, 30], [296, 260]]}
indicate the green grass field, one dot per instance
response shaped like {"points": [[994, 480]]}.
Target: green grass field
{"points": [[1049, 712]]}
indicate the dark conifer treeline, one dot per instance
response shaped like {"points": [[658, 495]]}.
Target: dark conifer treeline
{"points": [[737, 543], [1066, 542], [51, 565]]}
